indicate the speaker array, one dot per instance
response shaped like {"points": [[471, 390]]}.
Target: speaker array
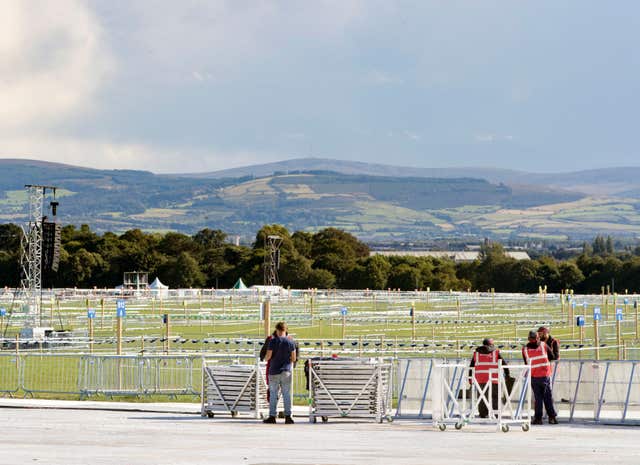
{"points": [[51, 233]]}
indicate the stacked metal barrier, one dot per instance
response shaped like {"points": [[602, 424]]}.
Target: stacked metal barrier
{"points": [[355, 388], [234, 388]]}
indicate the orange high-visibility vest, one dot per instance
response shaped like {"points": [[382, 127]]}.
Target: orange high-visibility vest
{"points": [[538, 359], [486, 367]]}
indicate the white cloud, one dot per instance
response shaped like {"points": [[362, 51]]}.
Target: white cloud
{"points": [[104, 154], [53, 62], [411, 135], [382, 78], [220, 38], [489, 138]]}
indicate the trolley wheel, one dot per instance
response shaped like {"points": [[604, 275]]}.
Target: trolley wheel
{"points": [[234, 413], [313, 419], [325, 419], [280, 414], [505, 428], [442, 427], [389, 419], [210, 414], [525, 427], [459, 425]]}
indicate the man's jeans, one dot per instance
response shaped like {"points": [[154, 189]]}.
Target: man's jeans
{"points": [[278, 382]]}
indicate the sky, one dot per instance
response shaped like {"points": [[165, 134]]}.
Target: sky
{"points": [[192, 86]]}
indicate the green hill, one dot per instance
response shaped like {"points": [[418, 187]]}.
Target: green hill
{"points": [[372, 207]]}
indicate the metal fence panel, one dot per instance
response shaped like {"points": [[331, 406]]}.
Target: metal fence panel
{"points": [[9, 374], [50, 373], [414, 378]]}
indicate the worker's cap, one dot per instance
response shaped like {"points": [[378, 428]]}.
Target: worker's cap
{"points": [[487, 341], [533, 335], [543, 329]]}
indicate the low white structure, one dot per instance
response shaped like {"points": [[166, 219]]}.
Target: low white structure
{"points": [[158, 289], [457, 256]]}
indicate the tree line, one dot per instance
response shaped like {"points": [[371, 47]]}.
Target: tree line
{"points": [[329, 258]]}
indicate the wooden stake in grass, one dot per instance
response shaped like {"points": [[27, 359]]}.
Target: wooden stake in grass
{"points": [[635, 306], [102, 313], [412, 312], [619, 332], [167, 329], [343, 311], [596, 318], [119, 335], [266, 306], [90, 316]]}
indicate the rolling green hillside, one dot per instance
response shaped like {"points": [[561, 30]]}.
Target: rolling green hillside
{"points": [[372, 207]]}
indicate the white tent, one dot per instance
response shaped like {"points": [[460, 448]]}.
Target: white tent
{"points": [[158, 289]]}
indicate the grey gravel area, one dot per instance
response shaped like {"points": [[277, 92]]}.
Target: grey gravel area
{"points": [[81, 436]]}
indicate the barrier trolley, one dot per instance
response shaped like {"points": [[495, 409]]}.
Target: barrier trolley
{"points": [[458, 395], [349, 387]]}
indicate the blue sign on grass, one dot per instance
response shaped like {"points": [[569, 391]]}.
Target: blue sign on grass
{"points": [[626, 301], [3, 311], [121, 308], [618, 314], [343, 311], [91, 313], [596, 314], [580, 321]]}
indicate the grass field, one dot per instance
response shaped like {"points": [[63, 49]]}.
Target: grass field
{"points": [[443, 323], [376, 324]]}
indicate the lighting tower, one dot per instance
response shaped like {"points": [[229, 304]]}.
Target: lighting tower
{"points": [[31, 258], [271, 260]]}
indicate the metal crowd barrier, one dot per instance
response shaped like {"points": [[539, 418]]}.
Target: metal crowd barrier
{"points": [[454, 404], [9, 374], [599, 391], [137, 375]]}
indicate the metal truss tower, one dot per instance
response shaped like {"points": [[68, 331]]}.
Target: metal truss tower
{"points": [[31, 258], [272, 260]]}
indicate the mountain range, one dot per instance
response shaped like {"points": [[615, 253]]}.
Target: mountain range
{"points": [[373, 201]]}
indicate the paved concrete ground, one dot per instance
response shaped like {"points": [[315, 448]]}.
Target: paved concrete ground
{"points": [[77, 436]]}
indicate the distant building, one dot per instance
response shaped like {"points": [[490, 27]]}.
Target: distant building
{"points": [[464, 256]]}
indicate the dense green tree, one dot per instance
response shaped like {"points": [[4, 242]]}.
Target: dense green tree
{"points": [[376, 272], [182, 272], [321, 279], [405, 277], [325, 259], [303, 242], [570, 275]]}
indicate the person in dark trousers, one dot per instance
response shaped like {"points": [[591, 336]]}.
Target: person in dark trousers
{"points": [[536, 354], [281, 353], [552, 343], [485, 361]]}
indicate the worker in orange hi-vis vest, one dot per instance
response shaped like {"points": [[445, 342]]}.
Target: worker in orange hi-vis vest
{"points": [[536, 354], [485, 360]]}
